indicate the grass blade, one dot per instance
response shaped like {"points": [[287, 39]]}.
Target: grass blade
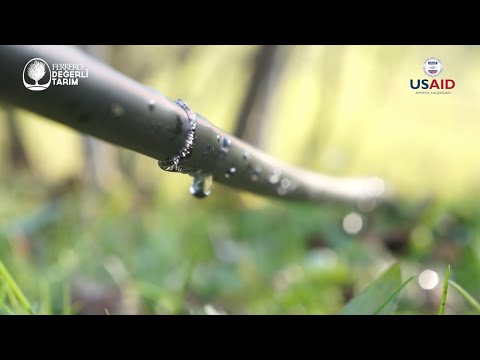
{"points": [[372, 299], [45, 298], [441, 310], [383, 307], [66, 299], [469, 298], [14, 288], [12, 300], [6, 310]]}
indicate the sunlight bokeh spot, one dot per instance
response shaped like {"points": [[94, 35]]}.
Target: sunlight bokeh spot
{"points": [[352, 223], [428, 279]]}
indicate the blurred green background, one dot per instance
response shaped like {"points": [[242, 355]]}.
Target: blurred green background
{"points": [[86, 226]]}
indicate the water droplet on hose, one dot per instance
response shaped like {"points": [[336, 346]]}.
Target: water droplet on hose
{"points": [[367, 204], [377, 187], [275, 177], [226, 143], [284, 186], [256, 173], [218, 138], [170, 164], [208, 150], [285, 183], [246, 155], [201, 186], [230, 172], [117, 110], [151, 104]]}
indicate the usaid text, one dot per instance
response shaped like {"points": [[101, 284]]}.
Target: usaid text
{"points": [[441, 84]]}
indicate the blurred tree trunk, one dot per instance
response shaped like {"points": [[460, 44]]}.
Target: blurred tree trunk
{"points": [[16, 153], [126, 59], [324, 122], [384, 58], [121, 59], [254, 115], [100, 159]]}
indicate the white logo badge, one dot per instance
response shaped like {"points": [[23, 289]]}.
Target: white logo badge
{"points": [[432, 67], [37, 75]]}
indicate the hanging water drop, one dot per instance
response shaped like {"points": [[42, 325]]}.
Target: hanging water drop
{"points": [[226, 143], [151, 104], [201, 186], [230, 172], [218, 138], [246, 155]]}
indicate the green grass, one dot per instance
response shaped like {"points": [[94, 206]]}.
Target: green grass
{"points": [[380, 297], [469, 298], [377, 296], [148, 254], [17, 300], [443, 301], [389, 305]]}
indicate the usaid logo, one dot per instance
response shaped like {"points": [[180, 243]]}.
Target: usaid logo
{"points": [[432, 67], [37, 75]]}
